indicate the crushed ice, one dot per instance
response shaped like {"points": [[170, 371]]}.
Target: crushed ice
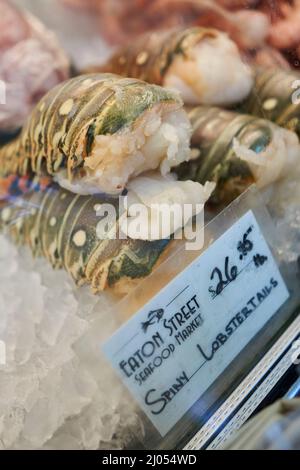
{"points": [[48, 398]]}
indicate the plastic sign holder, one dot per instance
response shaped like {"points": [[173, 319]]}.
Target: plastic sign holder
{"points": [[197, 346]]}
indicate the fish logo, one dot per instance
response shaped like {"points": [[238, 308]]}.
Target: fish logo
{"points": [[154, 316]]}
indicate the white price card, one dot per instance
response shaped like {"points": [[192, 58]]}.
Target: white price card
{"points": [[175, 347]]}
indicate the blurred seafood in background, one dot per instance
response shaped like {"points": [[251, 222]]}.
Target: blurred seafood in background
{"points": [[83, 4], [284, 33], [236, 150], [124, 20], [31, 63], [253, 24], [236, 4], [189, 60], [267, 57], [14, 27], [276, 96]]}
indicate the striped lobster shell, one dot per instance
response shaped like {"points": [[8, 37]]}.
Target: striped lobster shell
{"points": [[61, 129], [62, 227], [275, 97], [149, 56], [214, 159]]}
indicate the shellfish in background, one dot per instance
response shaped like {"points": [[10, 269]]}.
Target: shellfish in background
{"points": [[266, 31], [190, 60], [31, 63]]}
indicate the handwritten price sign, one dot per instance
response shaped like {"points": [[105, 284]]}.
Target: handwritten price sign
{"points": [[175, 347], [230, 272]]}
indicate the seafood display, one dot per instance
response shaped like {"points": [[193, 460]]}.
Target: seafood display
{"points": [[98, 137], [191, 61], [121, 21], [275, 96], [284, 29], [266, 32], [32, 62], [235, 150], [102, 135], [66, 228], [128, 129], [63, 228], [95, 132]]}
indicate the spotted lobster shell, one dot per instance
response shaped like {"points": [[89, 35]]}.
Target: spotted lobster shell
{"points": [[149, 56], [61, 129], [214, 159], [62, 227], [275, 96]]}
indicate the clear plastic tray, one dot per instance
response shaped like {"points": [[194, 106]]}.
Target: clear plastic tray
{"points": [[144, 434]]}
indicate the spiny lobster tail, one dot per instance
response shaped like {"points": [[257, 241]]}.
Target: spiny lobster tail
{"points": [[62, 227], [275, 96], [150, 56], [235, 150], [61, 130], [189, 60]]}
